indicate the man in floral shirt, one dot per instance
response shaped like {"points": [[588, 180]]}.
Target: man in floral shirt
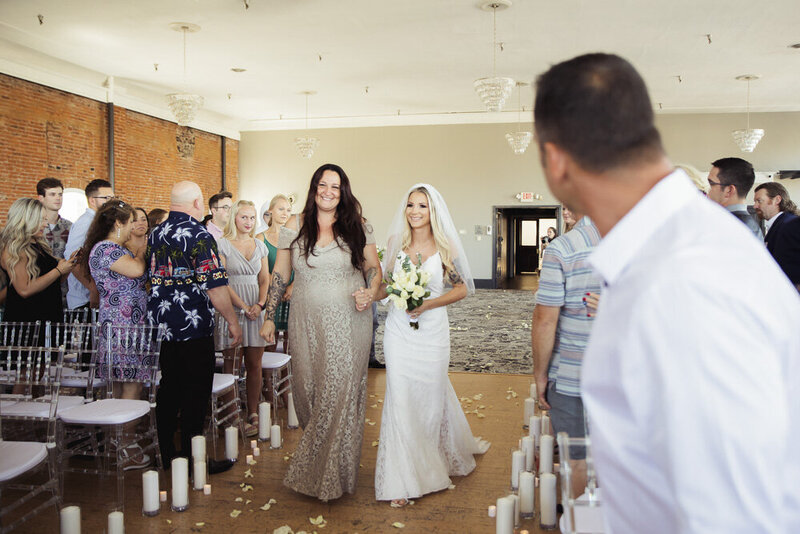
{"points": [[187, 283], [51, 194]]}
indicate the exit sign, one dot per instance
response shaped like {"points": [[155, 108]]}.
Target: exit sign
{"points": [[526, 197]]}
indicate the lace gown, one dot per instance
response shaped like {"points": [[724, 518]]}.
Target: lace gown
{"points": [[330, 344], [425, 437]]}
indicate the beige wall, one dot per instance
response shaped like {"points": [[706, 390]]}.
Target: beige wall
{"points": [[473, 167]]}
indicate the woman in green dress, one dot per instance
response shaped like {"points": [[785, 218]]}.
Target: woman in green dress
{"points": [[279, 211]]}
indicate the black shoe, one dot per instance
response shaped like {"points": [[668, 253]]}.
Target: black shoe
{"points": [[219, 466], [375, 364]]}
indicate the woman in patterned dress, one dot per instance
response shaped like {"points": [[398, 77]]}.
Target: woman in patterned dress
{"points": [[337, 273], [120, 280]]}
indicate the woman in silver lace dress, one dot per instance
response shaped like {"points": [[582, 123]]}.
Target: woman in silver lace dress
{"points": [[337, 274]]}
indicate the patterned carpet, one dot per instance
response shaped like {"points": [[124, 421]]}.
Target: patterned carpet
{"points": [[490, 332]]}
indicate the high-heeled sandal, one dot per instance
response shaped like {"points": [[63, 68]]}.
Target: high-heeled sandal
{"points": [[251, 427]]}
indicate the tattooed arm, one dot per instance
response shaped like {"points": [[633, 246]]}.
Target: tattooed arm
{"points": [[280, 279], [372, 277], [458, 292]]}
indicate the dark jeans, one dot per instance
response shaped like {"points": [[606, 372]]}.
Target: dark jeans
{"points": [[187, 374]]}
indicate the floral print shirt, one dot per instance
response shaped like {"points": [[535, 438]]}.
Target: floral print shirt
{"points": [[184, 263], [57, 235]]}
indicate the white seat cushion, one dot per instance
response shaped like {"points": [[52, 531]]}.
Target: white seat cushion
{"points": [[70, 378], [274, 360], [222, 382], [41, 409], [17, 457], [5, 404], [106, 412]]}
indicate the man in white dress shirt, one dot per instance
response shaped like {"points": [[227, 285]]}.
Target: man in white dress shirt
{"points": [[690, 378]]}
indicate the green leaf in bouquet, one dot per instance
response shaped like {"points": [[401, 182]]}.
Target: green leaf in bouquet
{"points": [[427, 294]]}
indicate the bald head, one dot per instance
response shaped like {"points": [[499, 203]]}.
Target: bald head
{"points": [[187, 197]]}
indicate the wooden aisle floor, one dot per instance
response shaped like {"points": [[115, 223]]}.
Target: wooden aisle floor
{"points": [[460, 510]]}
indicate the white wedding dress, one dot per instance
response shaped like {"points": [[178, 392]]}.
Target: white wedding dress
{"points": [[425, 437]]}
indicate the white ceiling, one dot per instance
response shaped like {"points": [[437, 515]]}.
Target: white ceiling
{"points": [[418, 59]]}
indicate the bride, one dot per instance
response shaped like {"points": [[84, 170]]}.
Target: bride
{"points": [[425, 437]]}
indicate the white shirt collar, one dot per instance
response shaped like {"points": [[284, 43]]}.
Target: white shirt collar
{"points": [[768, 223], [634, 230]]}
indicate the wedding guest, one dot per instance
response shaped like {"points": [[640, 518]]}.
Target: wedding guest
{"points": [[678, 341], [220, 205], [425, 437], [730, 179], [560, 330], [82, 291], [246, 261], [33, 273], [780, 215], [186, 282], [337, 274], [278, 212], [50, 192], [138, 236], [156, 217], [119, 275]]}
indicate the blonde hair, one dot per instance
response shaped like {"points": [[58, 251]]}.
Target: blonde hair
{"points": [[230, 228], [18, 238], [700, 181], [272, 203], [442, 243]]}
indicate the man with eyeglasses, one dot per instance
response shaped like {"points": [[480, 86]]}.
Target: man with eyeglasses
{"points": [[729, 182], [82, 292], [220, 205]]}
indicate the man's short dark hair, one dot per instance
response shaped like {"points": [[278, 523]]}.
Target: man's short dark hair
{"points": [[773, 189], [95, 185], [214, 200], [48, 183], [596, 108], [736, 172]]}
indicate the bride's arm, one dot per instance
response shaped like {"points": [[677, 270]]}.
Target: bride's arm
{"points": [[458, 292]]}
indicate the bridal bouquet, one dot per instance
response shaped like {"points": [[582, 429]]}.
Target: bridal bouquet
{"points": [[407, 288]]}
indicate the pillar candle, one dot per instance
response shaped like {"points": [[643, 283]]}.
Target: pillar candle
{"points": [[253, 444], [505, 516], [199, 449], [275, 437], [180, 484], [199, 477], [264, 421], [492, 511], [517, 465], [293, 422], [527, 448], [526, 495], [231, 445], [256, 452], [516, 509], [162, 496], [530, 408], [547, 501], [535, 429], [546, 424], [116, 523], [534, 393], [546, 454], [248, 459], [70, 520], [207, 489], [150, 504]]}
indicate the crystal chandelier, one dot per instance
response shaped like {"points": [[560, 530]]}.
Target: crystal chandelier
{"points": [[520, 140], [184, 106], [306, 144], [495, 90], [748, 138]]}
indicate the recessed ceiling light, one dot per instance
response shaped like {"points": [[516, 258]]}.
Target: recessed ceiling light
{"points": [[796, 45], [238, 69]]}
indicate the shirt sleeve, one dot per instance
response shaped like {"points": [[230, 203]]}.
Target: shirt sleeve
{"points": [[552, 287], [208, 271]]}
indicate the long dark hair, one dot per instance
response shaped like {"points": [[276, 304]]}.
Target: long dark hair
{"points": [[348, 224], [112, 212]]}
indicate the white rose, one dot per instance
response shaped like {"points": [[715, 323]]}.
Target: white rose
{"points": [[424, 277], [404, 295], [418, 292], [401, 304], [409, 286]]}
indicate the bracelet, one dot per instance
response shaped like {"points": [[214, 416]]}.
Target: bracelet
{"points": [[263, 306], [59, 271]]}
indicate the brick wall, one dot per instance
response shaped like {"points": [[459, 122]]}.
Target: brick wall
{"points": [[47, 132]]}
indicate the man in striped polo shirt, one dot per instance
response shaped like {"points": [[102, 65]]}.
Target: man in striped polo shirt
{"points": [[560, 330]]}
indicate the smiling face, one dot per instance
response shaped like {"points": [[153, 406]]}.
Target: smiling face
{"points": [[139, 223], [245, 220], [281, 211], [328, 191], [418, 212]]}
